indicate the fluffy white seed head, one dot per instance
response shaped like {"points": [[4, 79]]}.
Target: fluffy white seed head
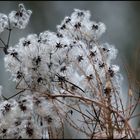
{"points": [[19, 19], [70, 61], [3, 22]]}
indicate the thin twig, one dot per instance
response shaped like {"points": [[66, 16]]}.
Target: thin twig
{"points": [[13, 95]]}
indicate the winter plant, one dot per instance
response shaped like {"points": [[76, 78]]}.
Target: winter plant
{"points": [[63, 78]]}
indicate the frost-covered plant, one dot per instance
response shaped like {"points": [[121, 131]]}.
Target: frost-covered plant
{"points": [[60, 74]]}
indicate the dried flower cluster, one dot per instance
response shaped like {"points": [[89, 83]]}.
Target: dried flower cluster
{"points": [[61, 73]]}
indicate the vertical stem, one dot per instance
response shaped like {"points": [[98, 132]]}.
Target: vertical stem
{"points": [[110, 128], [109, 112], [9, 35]]}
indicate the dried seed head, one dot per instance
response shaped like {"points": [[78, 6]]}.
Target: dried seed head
{"points": [[108, 88]]}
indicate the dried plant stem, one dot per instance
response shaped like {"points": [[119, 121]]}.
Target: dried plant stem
{"points": [[90, 101]]}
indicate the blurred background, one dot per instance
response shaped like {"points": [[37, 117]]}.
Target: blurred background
{"points": [[122, 19]]}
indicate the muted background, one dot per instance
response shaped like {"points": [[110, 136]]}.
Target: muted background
{"points": [[122, 19]]}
